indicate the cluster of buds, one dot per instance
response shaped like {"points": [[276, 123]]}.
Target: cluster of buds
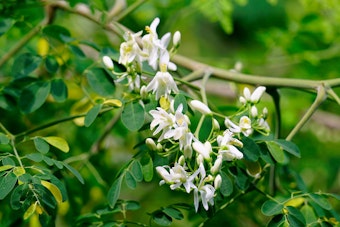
{"points": [[198, 164]]}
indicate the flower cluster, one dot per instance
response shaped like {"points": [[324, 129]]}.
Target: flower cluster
{"points": [[198, 162], [138, 49]]}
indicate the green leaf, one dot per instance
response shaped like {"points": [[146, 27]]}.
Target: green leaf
{"points": [[7, 183], [51, 64], [74, 172], [33, 96], [271, 207], [57, 32], [136, 170], [130, 180], [133, 116], [92, 114], [160, 218], [131, 205], [41, 145], [36, 157], [289, 146], [309, 214], [114, 191], [8, 161], [250, 149], [276, 221], [276, 151], [16, 196], [5, 25], [295, 217], [57, 142], [4, 139], [5, 167], [321, 201], [147, 167], [24, 64], [206, 128], [77, 51], [173, 212], [227, 186], [59, 90], [100, 81], [180, 99]]}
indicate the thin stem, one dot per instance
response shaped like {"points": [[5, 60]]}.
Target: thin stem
{"points": [[331, 92], [321, 95], [8, 133], [16, 153], [199, 126], [131, 8], [204, 83]]}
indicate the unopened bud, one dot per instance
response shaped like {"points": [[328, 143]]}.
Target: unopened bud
{"points": [[159, 147], [255, 97], [143, 92], [216, 125], [108, 62], [218, 181], [217, 165], [181, 160], [199, 159], [187, 151], [176, 39], [200, 107], [150, 144], [254, 112]]}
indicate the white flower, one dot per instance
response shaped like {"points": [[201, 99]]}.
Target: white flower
{"points": [[206, 191], [108, 62], [254, 97], [163, 83], [227, 145], [163, 120], [244, 126], [204, 149], [129, 50], [218, 181], [217, 165], [200, 107]]}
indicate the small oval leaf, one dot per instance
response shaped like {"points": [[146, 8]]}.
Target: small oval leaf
{"points": [[136, 170], [34, 96], [7, 183], [130, 180], [276, 151], [133, 116], [57, 142], [54, 190], [59, 90], [271, 207], [92, 115], [41, 145], [147, 168], [114, 192], [31, 209]]}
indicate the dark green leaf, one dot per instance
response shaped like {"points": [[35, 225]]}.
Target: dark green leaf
{"points": [[173, 212], [76, 50], [36, 157], [321, 201], [180, 99], [7, 183], [114, 191], [92, 115], [250, 149], [289, 146], [130, 180], [8, 161], [74, 172], [51, 64], [160, 218], [59, 90], [100, 81], [227, 186], [133, 116], [41, 145], [3, 139], [25, 64], [271, 207], [241, 179], [46, 197], [34, 96], [19, 192], [147, 167], [136, 170], [131, 205], [206, 128], [5, 25], [295, 216], [57, 32], [276, 221], [276, 151]]}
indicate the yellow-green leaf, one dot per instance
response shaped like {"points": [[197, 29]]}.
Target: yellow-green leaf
{"points": [[57, 142], [295, 202], [5, 167], [18, 171], [54, 190], [113, 102], [30, 210]]}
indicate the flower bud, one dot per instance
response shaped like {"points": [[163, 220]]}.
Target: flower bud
{"points": [[108, 62], [265, 112], [254, 112], [216, 125], [159, 147], [255, 97], [151, 144], [200, 107], [187, 151], [218, 181], [181, 160], [143, 92], [176, 38], [203, 149], [217, 165], [199, 159]]}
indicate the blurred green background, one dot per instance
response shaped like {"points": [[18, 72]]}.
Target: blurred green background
{"points": [[292, 38]]}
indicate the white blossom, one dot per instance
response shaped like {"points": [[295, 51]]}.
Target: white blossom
{"points": [[108, 62], [204, 149], [200, 107]]}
